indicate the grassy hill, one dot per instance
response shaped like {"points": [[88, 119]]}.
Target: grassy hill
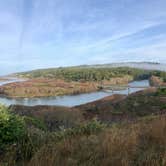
{"points": [[86, 73]]}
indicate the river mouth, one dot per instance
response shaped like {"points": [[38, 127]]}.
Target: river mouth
{"points": [[73, 100]]}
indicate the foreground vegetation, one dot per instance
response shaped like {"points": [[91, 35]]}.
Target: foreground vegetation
{"points": [[92, 143], [142, 143], [12, 128], [113, 131]]}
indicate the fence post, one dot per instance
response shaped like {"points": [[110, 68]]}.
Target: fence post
{"points": [[128, 90]]}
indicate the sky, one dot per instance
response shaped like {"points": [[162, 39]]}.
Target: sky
{"points": [[52, 33]]}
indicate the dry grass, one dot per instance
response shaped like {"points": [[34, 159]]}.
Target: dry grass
{"points": [[41, 87], [142, 143], [52, 116], [46, 87]]}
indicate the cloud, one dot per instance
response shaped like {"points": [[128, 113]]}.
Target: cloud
{"points": [[40, 33]]}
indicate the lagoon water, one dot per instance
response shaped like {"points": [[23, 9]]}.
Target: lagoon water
{"points": [[11, 80], [70, 100]]}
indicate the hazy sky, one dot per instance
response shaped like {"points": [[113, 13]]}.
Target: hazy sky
{"points": [[47, 33]]}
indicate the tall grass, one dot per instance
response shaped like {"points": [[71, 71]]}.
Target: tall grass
{"points": [[142, 143], [92, 143]]}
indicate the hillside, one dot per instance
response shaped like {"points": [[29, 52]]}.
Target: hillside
{"points": [[112, 66], [96, 72], [137, 65], [89, 73], [126, 130], [141, 143], [110, 109]]}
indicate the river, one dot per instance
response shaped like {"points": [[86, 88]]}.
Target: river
{"points": [[69, 100], [8, 80]]}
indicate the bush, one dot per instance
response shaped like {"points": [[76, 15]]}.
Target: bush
{"points": [[161, 91], [12, 127], [37, 123], [89, 128], [163, 107], [141, 143]]}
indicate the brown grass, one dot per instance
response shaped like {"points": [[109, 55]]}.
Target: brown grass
{"points": [[46, 87], [142, 143], [41, 87], [157, 81], [52, 116]]}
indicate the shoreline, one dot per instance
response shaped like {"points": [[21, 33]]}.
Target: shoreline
{"points": [[70, 94], [69, 100], [40, 88]]}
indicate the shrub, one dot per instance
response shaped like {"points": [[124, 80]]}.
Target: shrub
{"points": [[161, 91], [88, 128], [12, 127], [163, 107], [37, 123], [141, 143]]}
